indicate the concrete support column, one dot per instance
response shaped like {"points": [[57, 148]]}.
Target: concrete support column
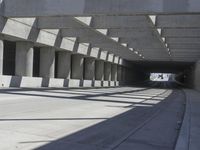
{"points": [[107, 71], [196, 81], [114, 72], [47, 62], [1, 56], [89, 69], [77, 66], [99, 70], [24, 59], [64, 65], [119, 73]]}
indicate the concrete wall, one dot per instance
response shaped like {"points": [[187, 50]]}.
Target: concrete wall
{"points": [[196, 76]]}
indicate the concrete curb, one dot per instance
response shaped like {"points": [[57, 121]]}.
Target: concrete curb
{"points": [[184, 135]]}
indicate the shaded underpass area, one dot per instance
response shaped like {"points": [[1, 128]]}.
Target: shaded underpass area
{"points": [[91, 119]]}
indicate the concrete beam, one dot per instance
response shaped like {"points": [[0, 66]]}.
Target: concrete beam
{"points": [[182, 40], [178, 21], [146, 45], [181, 32], [113, 46], [184, 46], [95, 7], [139, 40], [60, 22], [26, 29], [78, 32], [131, 33], [24, 59], [185, 50], [109, 22], [84, 33]]}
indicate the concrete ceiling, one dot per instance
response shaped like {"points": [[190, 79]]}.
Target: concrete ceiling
{"points": [[136, 30]]}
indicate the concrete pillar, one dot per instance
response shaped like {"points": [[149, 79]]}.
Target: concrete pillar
{"points": [[119, 73], [1, 56], [24, 59], [107, 71], [99, 70], [64, 65], [77, 66], [89, 69], [114, 72], [47, 62], [196, 80]]}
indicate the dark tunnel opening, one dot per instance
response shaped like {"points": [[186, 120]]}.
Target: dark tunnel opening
{"points": [[165, 74]]}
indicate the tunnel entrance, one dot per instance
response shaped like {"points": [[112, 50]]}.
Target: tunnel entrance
{"points": [[162, 77]]}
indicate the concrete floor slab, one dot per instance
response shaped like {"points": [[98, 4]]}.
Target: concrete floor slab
{"points": [[77, 118]]}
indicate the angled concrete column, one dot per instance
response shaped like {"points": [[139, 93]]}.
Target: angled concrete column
{"points": [[47, 62], [99, 70], [107, 71], [1, 56], [64, 65], [77, 66], [24, 59], [119, 73], [114, 72], [89, 69]]}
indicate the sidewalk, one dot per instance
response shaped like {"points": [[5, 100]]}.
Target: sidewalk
{"points": [[189, 138]]}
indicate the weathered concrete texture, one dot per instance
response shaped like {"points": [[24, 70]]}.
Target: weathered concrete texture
{"points": [[196, 76], [99, 70], [1, 56], [64, 65], [107, 71], [24, 59], [47, 62], [77, 66], [89, 69], [114, 72]]}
